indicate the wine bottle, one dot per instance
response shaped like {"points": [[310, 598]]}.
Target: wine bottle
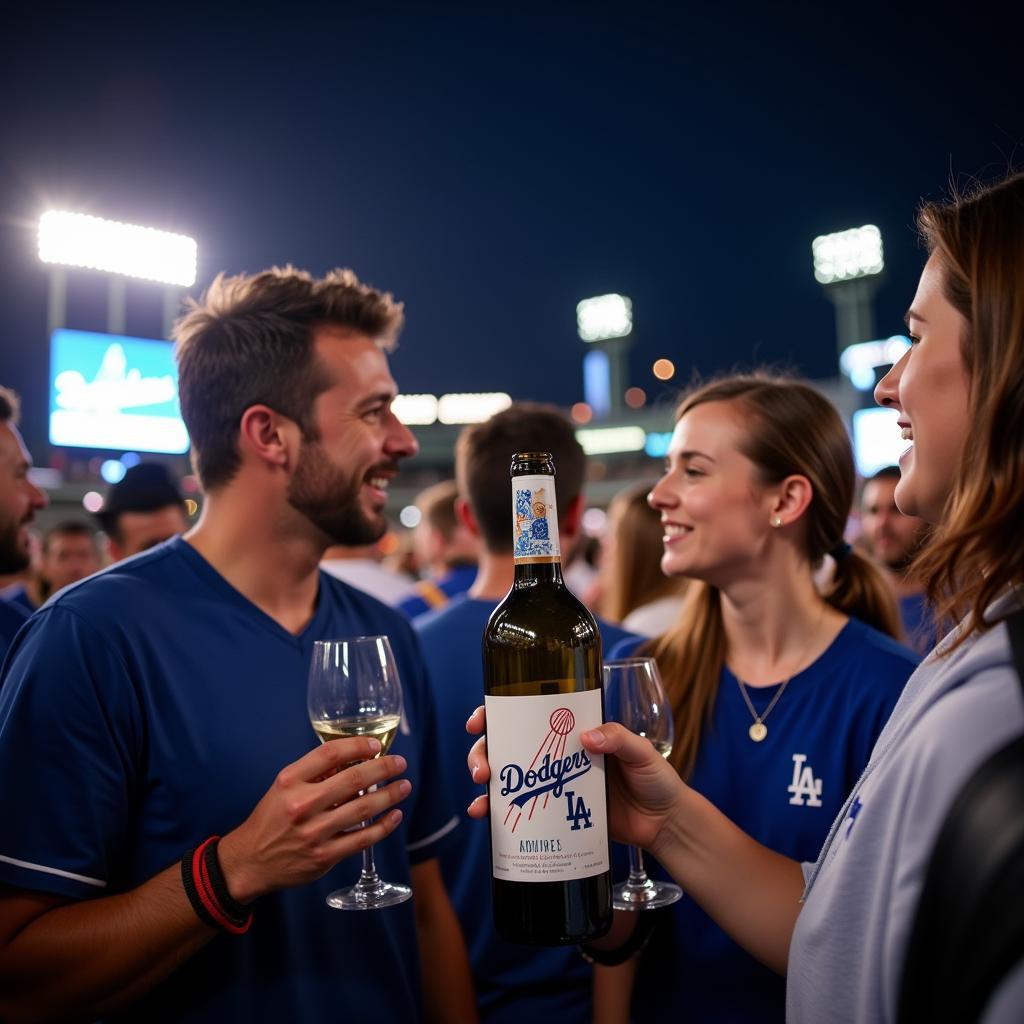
{"points": [[550, 862]]}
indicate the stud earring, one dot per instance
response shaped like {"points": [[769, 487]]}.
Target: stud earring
{"points": [[776, 521]]}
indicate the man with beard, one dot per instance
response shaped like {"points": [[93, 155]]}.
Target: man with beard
{"points": [[893, 539], [20, 499], [161, 704]]}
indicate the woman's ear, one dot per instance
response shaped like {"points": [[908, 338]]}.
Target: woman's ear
{"points": [[792, 498]]}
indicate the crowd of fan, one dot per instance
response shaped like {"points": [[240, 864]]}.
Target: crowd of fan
{"points": [[158, 703]]}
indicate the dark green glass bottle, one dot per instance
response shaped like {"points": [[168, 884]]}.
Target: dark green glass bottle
{"points": [[542, 678]]}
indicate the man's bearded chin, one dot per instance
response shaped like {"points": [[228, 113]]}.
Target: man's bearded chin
{"points": [[14, 555], [348, 524]]}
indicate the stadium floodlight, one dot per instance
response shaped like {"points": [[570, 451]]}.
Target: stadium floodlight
{"points": [[79, 240], [604, 317], [606, 440], [846, 255], [471, 408], [415, 410]]}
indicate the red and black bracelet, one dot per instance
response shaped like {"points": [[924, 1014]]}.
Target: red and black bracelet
{"points": [[208, 892]]}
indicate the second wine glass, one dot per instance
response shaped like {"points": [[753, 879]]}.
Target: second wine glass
{"points": [[354, 691], [635, 698]]}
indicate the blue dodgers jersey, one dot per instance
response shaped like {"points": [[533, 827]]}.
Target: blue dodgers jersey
{"points": [[785, 792], [151, 706], [514, 983]]}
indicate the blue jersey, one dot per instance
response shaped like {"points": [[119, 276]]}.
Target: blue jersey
{"points": [[13, 616], [429, 595], [919, 626], [784, 791], [151, 706], [514, 983]]}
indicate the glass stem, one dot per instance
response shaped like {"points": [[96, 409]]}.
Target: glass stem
{"points": [[637, 874], [368, 879]]}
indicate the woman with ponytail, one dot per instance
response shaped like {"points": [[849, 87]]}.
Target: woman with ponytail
{"points": [[778, 692], [838, 926]]}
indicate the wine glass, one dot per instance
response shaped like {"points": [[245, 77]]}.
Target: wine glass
{"points": [[354, 691], [635, 698]]}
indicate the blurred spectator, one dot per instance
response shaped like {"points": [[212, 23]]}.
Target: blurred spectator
{"points": [[142, 509], [401, 557], [20, 499], [635, 592], [580, 569], [69, 555], [513, 983], [25, 587], [361, 567], [446, 551], [893, 539]]}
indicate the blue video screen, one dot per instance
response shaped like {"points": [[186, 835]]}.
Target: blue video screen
{"points": [[877, 440], [116, 393]]}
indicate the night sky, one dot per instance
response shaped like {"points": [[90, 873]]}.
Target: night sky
{"points": [[493, 169]]}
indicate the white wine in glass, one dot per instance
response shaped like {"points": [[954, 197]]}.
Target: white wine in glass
{"points": [[635, 698], [354, 691]]}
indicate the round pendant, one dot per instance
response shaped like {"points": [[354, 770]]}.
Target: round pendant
{"points": [[758, 731]]}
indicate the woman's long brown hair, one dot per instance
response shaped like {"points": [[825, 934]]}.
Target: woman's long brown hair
{"points": [[790, 429], [977, 552]]}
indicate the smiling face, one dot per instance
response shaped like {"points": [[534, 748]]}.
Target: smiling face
{"points": [[714, 511], [341, 479], [929, 389]]}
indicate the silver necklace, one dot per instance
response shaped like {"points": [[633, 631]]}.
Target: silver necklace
{"points": [[759, 730]]}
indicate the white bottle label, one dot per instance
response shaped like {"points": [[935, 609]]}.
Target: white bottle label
{"points": [[548, 811], [534, 519]]}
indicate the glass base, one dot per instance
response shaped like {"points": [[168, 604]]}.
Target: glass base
{"points": [[371, 896], [645, 895]]}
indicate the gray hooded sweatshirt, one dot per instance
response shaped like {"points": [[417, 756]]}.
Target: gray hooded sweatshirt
{"points": [[846, 956]]}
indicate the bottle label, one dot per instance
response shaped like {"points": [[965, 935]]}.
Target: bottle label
{"points": [[549, 819], [534, 519]]}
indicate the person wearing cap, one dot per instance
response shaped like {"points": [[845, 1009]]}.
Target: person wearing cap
{"points": [[143, 509]]}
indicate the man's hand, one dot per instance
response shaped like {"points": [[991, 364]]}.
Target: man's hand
{"points": [[308, 820], [645, 789]]}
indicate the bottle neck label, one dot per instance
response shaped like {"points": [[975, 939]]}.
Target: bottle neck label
{"points": [[534, 520]]}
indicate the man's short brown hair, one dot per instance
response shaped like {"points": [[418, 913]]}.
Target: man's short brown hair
{"points": [[10, 406], [249, 341], [484, 453], [437, 506]]}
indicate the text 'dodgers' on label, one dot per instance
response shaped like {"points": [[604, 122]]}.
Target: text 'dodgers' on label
{"points": [[547, 794]]}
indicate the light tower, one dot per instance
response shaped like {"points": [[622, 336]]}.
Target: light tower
{"points": [[848, 264], [606, 323]]}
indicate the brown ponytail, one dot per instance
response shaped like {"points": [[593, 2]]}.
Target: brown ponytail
{"points": [[860, 589]]}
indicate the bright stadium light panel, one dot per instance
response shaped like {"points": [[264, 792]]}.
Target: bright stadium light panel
{"points": [[607, 440], [846, 255], [415, 410], [471, 408], [604, 317], [78, 240]]}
